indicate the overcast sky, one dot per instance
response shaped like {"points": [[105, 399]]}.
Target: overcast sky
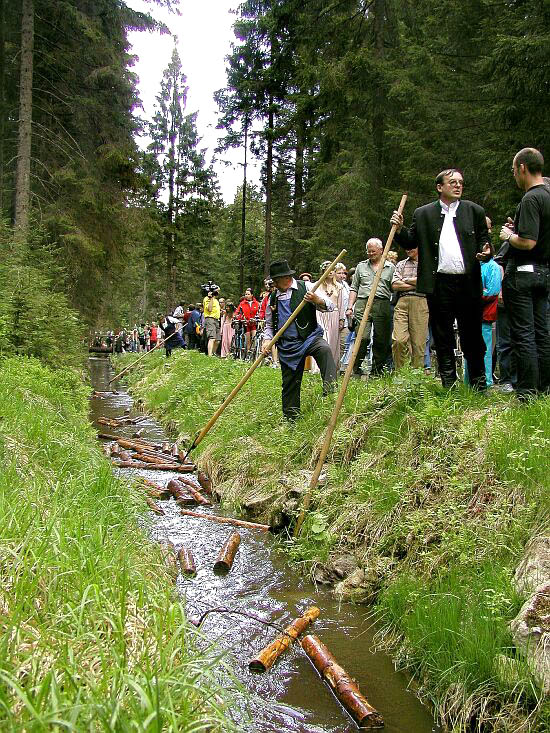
{"points": [[204, 31]]}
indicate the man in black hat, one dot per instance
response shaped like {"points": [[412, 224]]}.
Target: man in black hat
{"points": [[304, 337]]}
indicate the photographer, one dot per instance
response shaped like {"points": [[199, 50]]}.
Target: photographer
{"points": [[211, 313]]}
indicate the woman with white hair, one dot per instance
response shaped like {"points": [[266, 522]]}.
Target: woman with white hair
{"points": [[332, 322]]}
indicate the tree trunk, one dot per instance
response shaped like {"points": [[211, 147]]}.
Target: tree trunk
{"points": [[23, 172], [298, 184], [268, 188], [170, 238], [243, 212], [2, 100], [378, 121]]}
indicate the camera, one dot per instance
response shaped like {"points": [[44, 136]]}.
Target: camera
{"points": [[210, 288]]}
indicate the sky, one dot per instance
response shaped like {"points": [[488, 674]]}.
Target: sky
{"points": [[204, 32]]}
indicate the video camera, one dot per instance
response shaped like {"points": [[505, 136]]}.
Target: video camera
{"points": [[210, 287]]}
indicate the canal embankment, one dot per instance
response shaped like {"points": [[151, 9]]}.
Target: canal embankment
{"points": [[427, 503]]}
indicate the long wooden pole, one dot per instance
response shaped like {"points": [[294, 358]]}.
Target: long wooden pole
{"points": [[130, 366], [347, 375], [231, 396]]}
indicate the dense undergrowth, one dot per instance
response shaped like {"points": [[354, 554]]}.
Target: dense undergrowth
{"points": [[435, 493], [91, 635]]}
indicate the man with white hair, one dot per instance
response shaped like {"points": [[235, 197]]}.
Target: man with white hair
{"points": [[380, 315]]}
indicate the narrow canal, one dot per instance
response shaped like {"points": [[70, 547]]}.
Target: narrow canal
{"points": [[290, 697]]}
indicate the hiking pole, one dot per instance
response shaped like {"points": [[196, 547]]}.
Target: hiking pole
{"points": [[347, 375], [198, 438], [130, 366]]}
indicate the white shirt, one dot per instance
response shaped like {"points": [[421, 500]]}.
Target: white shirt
{"points": [[450, 260]]}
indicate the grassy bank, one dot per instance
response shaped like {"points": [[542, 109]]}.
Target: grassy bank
{"points": [[92, 635], [433, 494]]}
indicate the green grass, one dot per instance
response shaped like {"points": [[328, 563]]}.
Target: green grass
{"points": [[435, 493], [92, 635]]}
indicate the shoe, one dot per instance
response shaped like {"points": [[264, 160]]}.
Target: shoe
{"points": [[505, 388]]}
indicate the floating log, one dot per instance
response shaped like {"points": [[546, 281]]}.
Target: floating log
{"points": [[226, 520], [148, 458], [106, 421], [343, 686], [124, 455], [153, 466], [188, 482], [205, 481], [181, 491], [154, 507], [168, 552], [228, 552], [115, 449], [269, 655], [187, 562]]}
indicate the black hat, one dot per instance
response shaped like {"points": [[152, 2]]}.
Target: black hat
{"points": [[280, 269]]}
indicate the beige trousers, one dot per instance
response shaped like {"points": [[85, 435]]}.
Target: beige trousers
{"points": [[410, 330]]}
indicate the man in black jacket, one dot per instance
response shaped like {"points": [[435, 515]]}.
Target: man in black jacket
{"points": [[452, 238]]}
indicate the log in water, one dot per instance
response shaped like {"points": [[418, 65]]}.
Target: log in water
{"points": [[228, 552], [187, 562], [343, 686], [269, 655]]}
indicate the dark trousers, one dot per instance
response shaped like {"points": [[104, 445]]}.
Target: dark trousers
{"points": [[292, 378], [507, 373], [380, 319], [453, 299], [526, 299]]}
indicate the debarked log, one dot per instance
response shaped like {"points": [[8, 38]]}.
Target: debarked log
{"points": [[187, 562], [181, 491], [226, 520], [228, 552], [343, 686], [269, 655], [154, 507]]}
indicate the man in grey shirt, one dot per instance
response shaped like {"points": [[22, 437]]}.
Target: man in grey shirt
{"points": [[380, 315]]}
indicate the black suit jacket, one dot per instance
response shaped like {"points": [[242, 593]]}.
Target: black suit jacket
{"points": [[424, 232]]}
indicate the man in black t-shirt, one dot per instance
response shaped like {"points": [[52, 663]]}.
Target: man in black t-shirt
{"points": [[527, 277]]}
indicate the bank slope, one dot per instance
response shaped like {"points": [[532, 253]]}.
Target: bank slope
{"points": [[91, 635], [428, 502]]}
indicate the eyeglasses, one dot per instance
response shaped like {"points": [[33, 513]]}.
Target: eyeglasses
{"points": [[456, 184]]}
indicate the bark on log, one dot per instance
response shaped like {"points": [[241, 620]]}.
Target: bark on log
{"points": [[226, 520], [154, 507], [188, 482], [181, 491], [228, 552], [124, 455], [343, 686], [115, 449], [205, 481], [269, 655], [187, 562]]}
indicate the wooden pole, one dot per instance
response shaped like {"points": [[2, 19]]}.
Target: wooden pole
{"points": [[133, 364], [269, 655], [226, 520], [210, 424], [347, 376], [343, 686]]}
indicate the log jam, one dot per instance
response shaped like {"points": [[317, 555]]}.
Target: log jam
{"points": [[269, 655]]}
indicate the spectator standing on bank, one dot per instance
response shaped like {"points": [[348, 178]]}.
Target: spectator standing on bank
{"points": [[247, 311], [172, 334], [341, 275], [153, 335], [410, 315], [380, 316], [452, 238], [227, 330], [332, 322], [211, 314], [526, 278], [192, 326]]}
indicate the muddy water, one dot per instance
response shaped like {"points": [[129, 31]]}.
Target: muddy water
{"points": [[290, 697]]}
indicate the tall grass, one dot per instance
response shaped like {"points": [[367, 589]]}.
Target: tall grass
{"points": [[435, 493], [92, 636]]}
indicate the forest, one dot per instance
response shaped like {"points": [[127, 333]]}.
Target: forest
{"points": [[346, 103]]}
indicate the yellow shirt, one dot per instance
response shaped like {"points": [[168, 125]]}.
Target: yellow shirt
{"points": [[215, 312]]}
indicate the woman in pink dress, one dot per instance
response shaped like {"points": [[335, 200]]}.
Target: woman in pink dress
{"points": [[332, 323], [227, 330]]}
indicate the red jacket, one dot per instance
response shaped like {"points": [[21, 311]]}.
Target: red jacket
{"points": [[247, 309]]}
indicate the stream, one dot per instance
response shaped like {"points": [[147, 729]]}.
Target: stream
{"points": [[291, 696]]}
